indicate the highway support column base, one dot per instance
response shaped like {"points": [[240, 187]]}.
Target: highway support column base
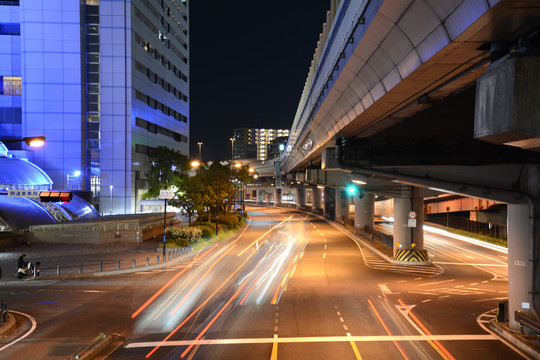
{"points": [[411, 257]]}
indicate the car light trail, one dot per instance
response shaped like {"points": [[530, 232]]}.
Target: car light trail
{"points": [[263, 235], [201, 278], [153, 297], [436, 344], [386, 328], [200, 306]]}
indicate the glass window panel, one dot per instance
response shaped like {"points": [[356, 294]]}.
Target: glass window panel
{"points": [[10, 85], [92, 48], [92, 2], [93, 68], [92, 98], [92, 107], [92, 39], [93, 117], [92, 10], [93, 89], [94, 126], [93, 135], [92, 58], [93, 144], [92, 77], [92, 19], [92, 29]]}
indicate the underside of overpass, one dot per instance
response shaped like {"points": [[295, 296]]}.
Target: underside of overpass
{"points": [[420, 97]]}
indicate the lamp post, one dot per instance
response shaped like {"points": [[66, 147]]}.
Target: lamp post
{"points": [[110, 197], [200, 145], [232, 149]]}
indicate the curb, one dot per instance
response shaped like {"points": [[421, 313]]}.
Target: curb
{"points": [[99, 345], [8, 327], [514, 340]]}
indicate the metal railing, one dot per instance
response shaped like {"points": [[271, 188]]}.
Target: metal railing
{"points": [[462, 223], [525, 322], [113, 265]]}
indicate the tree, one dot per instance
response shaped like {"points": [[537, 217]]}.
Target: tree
{"points": [[190, 196], [167, 169]]}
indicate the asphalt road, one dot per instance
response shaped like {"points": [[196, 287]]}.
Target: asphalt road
{"points": [[290, 287]]}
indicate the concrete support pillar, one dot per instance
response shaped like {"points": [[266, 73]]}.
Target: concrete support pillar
{"points": [[317, 198], [519, 266], [340, 213], [301, 197], [277, 197], [260, 196], [364, 210], [405, 236]]}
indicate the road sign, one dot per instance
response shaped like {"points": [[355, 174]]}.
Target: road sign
{"points": [[412, 214], [23, 193], [411, 223], [166, 194]]}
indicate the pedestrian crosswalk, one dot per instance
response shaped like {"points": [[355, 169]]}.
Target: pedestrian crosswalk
{"points": [[375, 262]]}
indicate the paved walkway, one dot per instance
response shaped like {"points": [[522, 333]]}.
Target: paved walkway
{"points": [[70, 257]]}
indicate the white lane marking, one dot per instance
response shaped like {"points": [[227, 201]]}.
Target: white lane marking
{"points": [[436, 282], [467, 264], [384, 289], [32, 328], [468, 256], [313, 339], [496, 277]]}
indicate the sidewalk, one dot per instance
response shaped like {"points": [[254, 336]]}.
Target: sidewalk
{"points": [[70, 257]]}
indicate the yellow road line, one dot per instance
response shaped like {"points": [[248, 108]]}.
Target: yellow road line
{"points": [[354, 348], [274, 348]]}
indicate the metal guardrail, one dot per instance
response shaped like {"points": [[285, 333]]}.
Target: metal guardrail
{"points": [[525, 322], [388, 240], [364, 235], [112, 265]]}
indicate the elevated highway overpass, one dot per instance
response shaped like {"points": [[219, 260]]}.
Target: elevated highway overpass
{"points": [[411, 98]]}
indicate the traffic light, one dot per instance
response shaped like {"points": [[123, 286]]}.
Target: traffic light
{"points": [[55, 196], [353, 190]]}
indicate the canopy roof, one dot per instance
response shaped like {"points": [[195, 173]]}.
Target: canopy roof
{"points": [[15, 171]]}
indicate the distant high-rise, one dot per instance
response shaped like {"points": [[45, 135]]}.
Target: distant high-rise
{"points": [[105, 81], [253, 143]]}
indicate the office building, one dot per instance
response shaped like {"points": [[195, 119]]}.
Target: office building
{"points": [[105, 81], [253, 143]]}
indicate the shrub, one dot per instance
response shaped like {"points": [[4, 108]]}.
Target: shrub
{"points": [[183, 235], [207, 229], [231, 221]]}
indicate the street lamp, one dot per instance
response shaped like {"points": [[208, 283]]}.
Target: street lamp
{"points": [[232, 149], [34, 141], [110, 198], [200, 145]]}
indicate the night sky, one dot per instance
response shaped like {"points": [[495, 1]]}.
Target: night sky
{"points": [[249, 62]]}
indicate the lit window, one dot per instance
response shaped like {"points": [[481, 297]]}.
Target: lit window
{"points": [[92, 2], [10, 85]]}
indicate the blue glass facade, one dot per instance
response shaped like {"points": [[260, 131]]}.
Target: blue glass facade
{"points": [[105, 81]]}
